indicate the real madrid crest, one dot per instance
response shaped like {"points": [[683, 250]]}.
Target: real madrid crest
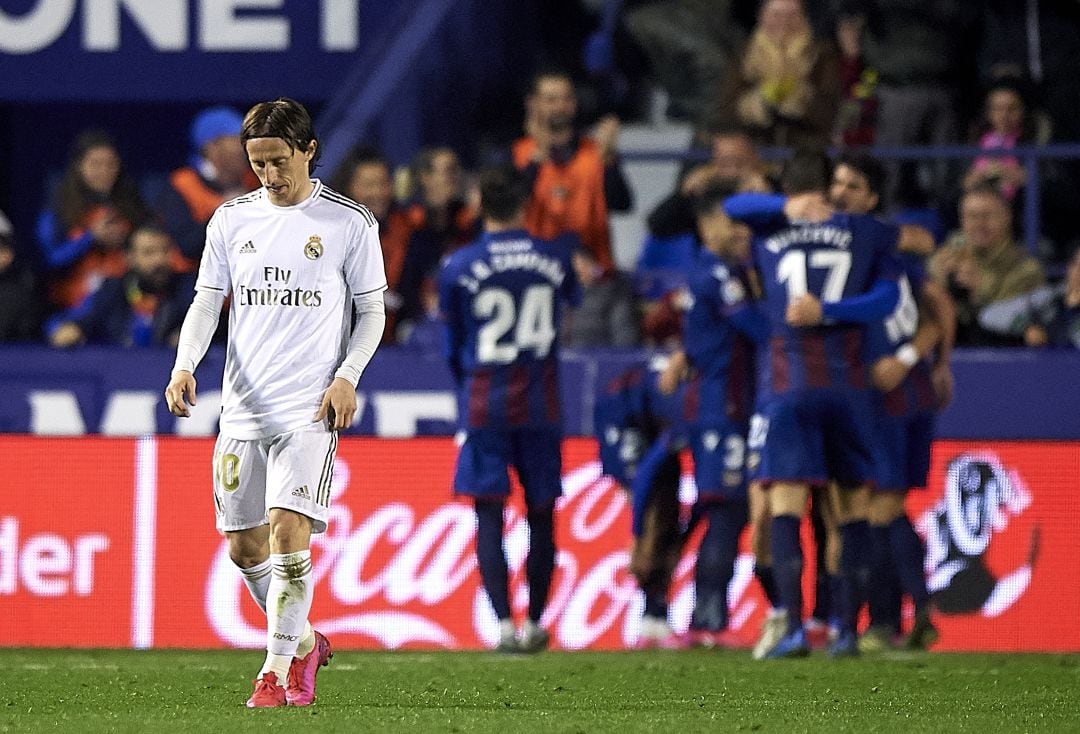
{"points": [[313, 249]]}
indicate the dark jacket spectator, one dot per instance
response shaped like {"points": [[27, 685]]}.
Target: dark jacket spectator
{"points": [[20, 304], [784, 87], [217, 171], [144, 307], [82, 233], [608, 313], [1045, 317]]}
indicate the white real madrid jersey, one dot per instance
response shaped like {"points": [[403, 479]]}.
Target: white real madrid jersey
{"points": [[292, 273]]}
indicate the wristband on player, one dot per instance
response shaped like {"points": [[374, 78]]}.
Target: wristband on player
{"points": [[907, 355]]}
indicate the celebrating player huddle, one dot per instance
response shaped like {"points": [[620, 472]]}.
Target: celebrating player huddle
{"points": [[810, 296]]}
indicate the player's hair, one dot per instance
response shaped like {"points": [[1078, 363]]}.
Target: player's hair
{"points": [[712, 196], [283, 118], [807, 171], [866, 166], [504, 190]]}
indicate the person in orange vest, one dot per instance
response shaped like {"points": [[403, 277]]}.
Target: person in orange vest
{"points": [[576, 177], [216, 172]]}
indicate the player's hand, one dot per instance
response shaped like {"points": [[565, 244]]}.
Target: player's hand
{"points": [[887, 373], [673, 373], [67, 335], [804, 310], [941, 378], [180, 393], [338, 405], [606, 136]]}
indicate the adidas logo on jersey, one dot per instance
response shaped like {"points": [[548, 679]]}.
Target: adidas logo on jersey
{"points": [[247, 247], [302, 492]]}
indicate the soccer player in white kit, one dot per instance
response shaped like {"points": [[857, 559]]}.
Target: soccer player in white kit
{"points": [[298, 260]]}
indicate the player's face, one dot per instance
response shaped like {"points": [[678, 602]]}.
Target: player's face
{"points": [[984, 220], [282, 169], [850, 191], [724, 237], [99, 168], [371, 186]]}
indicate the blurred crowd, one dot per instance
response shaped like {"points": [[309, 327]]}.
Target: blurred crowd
{"points": [[112, 261]]}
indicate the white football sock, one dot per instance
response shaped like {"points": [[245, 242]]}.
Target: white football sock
{"points": [[288, 601], [257, 580]]}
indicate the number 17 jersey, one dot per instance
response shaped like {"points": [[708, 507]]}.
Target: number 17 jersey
{"points": [[501, 300], [835, 259]]}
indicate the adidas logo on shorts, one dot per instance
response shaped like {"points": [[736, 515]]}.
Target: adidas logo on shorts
{"points": [[302, 492], [247, 247]]}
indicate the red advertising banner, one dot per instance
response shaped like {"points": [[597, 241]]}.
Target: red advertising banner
{"points": [[111, 542]]}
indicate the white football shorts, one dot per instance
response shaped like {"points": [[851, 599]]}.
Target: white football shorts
{"points": [[291, 470]]}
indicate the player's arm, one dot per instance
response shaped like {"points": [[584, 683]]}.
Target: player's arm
{"points": [[339, 401], [198, 328], [915, 240], [866, 308], [449, 312], [754, 208]]}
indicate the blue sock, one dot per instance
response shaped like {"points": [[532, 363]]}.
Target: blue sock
{"points": [[855, 570], [716, 564], [788, 567], [835, 594], [768, 584], [908, 556], [882, 595], [540, 564], [490, 555], [656, 604]]}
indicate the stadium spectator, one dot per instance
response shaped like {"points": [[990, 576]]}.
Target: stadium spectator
{"points": [[83, 231], [733, 156], [441, 219], [1046, 317], [365, 176], [144, 307], [20, 304], [1006, 122], [686, 43], [501, 298], [923, 52], [576, 178], [856, 119], [287, 356], [608, 314], [784, 85], [982, 263], [216, 172]]}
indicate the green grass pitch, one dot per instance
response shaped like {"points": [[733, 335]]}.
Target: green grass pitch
{"points": [[85, 691]]}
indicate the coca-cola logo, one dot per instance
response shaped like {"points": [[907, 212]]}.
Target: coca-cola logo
{"points": [[402, 576]]}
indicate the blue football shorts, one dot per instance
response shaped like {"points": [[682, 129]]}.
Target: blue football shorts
{"points": [[486, 456]]}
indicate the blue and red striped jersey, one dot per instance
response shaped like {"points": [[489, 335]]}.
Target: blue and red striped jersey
{"points": [[720, 330], [839, 258], [916, 393], [501, 300]]}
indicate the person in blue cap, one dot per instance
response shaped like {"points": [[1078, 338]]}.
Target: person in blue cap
{"points": [[217, 171]]}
